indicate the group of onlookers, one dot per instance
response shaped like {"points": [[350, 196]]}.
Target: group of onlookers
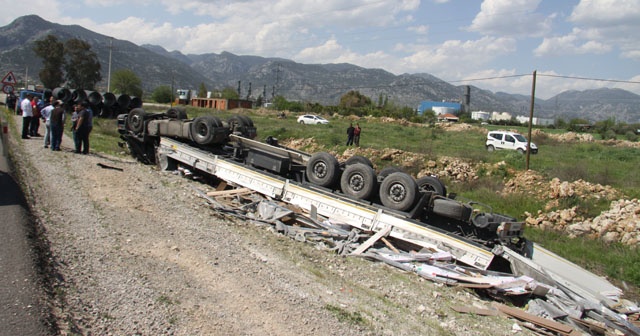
{"points": [[52, 113]]}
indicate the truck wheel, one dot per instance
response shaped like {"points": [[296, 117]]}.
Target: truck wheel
{"points": [[431, 183], [247, 121], [323, 170], [135, 120], [358, 159], [398, 191], [388, 171], [241, 125], [359, 181], [202, 129], [176, 113], [490, 148], [521, 151]]}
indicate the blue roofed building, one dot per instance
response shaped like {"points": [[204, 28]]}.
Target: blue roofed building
{"points": [[439, 107]]}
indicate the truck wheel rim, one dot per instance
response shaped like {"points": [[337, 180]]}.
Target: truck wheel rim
{"points": [[397, 192]]}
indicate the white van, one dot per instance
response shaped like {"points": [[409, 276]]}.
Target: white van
{"points": [[508, 140]]}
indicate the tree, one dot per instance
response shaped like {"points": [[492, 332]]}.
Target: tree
{"points": [[82, 65], [230, 93], [202, 91], [280, 103], [51, 50], [354, 99], [125, 81], [162, 94]]}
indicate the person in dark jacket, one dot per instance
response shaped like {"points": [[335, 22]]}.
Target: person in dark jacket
{"points": [[56, 123], [82, 128], [350, 132]]}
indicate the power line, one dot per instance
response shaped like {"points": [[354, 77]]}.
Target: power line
{"points": [[486, 78], [592, 79]]}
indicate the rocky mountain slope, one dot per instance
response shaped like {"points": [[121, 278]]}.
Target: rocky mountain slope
{"points": [[321, 83]]}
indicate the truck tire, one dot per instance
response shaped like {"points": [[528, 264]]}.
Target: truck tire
{"points": [[433, 184], [135, 120], [241, 125], [359, 181], [358, 159], [202, 129], [177, 113], [490, 148], [388, 171], [323, 170], [247, 121], [398, 191]]}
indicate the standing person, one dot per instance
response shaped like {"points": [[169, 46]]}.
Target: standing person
{"points": [[36, 106], [356, 135], [45, 115], [27, 114], [350, 131], [56, 121], [90, 114], [74, 122], [82, 128], [11, 101]]}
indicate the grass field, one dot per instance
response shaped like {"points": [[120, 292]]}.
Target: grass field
{"points": [[593, 162]]}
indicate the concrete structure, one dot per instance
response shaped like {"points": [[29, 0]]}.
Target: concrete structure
{"points": [[221, 103]]}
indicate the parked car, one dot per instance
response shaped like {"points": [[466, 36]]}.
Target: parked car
{"points": [[311, 119], [508, 140]]}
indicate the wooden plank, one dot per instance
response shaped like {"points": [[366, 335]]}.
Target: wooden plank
{"points": [[539, 321], [389, 245], [221, 186], [231, 192], [364, 246]]}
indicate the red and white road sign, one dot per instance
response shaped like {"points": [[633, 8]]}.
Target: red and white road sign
{"points": [[9, 79], [7, 88]]}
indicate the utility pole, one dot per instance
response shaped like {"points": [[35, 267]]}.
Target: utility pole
{"points": [[277, 86], [533, 98], [109, 71]]}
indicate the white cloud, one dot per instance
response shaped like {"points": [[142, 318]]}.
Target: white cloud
{"points": [[606, 13], [511, 18], [453, 58], [571, 44]]}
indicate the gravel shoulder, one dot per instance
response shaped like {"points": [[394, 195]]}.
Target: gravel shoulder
{"points": [[136, 252]]}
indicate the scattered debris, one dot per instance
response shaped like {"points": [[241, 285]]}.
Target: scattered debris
{"points": [[102, 165], [551, 309]]}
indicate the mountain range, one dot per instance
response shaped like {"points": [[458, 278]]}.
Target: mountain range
{"points": [[269, 76]]}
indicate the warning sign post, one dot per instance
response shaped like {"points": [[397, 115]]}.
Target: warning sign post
{"points": [[9, 79]]}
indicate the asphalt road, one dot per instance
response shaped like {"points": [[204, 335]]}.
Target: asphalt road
{"points": [[22, 309]]}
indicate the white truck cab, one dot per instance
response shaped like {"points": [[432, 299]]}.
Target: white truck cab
{"points": [[508, 140]]}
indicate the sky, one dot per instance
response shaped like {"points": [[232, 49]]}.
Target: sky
{"points": [[492, 44]]}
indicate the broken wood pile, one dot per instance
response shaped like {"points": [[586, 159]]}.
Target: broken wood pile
{"points": [[550, 308]]}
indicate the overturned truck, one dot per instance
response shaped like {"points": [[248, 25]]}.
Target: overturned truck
{"points": [[424, 200], [487, 248]]}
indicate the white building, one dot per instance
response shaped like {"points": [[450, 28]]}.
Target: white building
{"points": [[480, 115], [500, 116]]}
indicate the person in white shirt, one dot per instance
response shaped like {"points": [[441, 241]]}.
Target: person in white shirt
{"points": [[27, 114], [45, 115]]}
